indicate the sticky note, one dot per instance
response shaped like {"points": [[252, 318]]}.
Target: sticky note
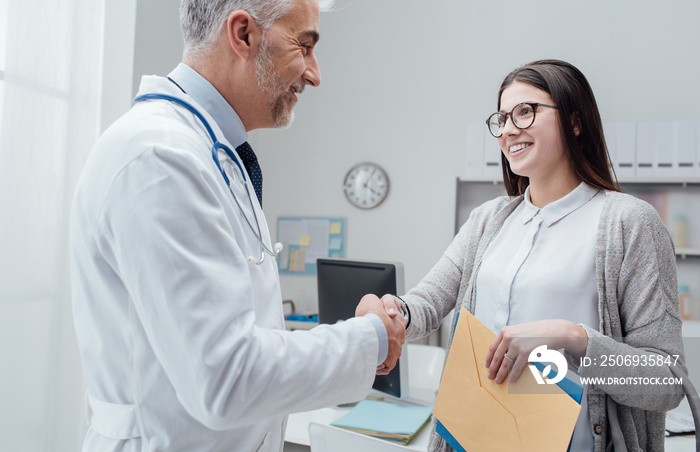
{"points": [[335, 228], [304, 240], [335, 243], [297, 261]]}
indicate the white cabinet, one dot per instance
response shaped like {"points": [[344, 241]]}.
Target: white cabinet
{"points": [[651, 149], [677, 201]]}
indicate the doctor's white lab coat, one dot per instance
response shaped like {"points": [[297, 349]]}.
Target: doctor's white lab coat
{"points": [[181, 338]]}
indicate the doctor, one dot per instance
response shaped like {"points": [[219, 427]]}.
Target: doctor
{"points": [[177, 300]]}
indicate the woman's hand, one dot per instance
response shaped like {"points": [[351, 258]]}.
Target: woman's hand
{"points": [[509, 353]]}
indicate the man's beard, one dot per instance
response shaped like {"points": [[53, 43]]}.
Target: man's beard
{"points": [[273, 87]]}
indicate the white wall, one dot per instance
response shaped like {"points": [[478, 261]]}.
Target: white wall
{"points": [[158, 47], [118, 60], [401, 78]]}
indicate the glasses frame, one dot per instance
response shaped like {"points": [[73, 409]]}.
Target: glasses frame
{"points": [[534, 106]]}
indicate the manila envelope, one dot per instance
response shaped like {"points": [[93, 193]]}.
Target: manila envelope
{"points": [[483, 416]]}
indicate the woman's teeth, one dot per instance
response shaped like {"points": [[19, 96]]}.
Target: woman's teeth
{"points": [[518, 147]]}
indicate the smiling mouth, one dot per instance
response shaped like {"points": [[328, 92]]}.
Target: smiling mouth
{"points": [[294, 90], [516, 148]]}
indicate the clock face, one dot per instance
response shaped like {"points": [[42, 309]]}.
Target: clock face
{"points": [[366, 185]]}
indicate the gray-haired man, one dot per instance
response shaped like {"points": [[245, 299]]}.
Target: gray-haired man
{"points": [[176, 294]]}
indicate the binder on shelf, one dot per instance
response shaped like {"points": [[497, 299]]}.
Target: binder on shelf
{"points": [[666, 148], [687, 149], [492, 157], [625, 148], [475, 149], [646, 149], [610, 133], [697, 148]]}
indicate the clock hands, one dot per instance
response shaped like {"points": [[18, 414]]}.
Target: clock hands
{"points": [[366, 185], [369, 178]]}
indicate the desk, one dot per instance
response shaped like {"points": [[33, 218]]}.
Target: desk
{"points": [[297, 437], [680, 444], [424, 370]]}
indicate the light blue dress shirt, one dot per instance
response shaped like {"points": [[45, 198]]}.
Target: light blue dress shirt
{"points": [[204, 93]]}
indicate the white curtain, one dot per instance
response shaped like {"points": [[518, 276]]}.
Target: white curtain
{"points": [[50, 65]]}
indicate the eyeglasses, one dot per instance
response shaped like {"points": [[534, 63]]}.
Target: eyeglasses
{"points": [[522, 115]]}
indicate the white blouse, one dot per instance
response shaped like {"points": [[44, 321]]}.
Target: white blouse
{"points": [[541, 265]]}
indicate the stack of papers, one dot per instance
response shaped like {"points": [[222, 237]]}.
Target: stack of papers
{"points": [[390, 421]]}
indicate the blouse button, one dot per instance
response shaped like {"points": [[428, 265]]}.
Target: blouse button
{"points": [[597, 429]]}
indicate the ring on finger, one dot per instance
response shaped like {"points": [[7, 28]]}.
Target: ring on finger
{"points": [[505, 355]]}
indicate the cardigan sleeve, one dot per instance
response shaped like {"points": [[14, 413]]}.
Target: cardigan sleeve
{"points": [[447, 283], [639, 308], [436, 294]]}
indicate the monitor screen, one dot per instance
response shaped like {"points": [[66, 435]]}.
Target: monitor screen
{"points": [[341, 285]]}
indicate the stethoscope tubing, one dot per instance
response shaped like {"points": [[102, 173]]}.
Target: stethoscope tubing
{"points": [[217, 145], [215, 156]]}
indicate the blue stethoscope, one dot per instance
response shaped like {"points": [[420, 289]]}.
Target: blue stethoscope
{"points": [[215, 155]]}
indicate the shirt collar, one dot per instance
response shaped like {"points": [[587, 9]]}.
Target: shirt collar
{"points": [[204, 93], [555, 211]]}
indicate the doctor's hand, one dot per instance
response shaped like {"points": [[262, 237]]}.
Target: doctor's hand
{"points": [[394, 323], [510, 352]]}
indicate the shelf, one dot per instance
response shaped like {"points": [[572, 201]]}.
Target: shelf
{"points": [[682, 181], [492, 180], [490, 186], [687, 252]]}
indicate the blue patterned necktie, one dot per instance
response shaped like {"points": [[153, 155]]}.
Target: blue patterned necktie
{"points": [[250, 161]]}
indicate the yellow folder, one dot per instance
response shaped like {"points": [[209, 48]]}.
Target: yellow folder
{"points": [[481, 415]]}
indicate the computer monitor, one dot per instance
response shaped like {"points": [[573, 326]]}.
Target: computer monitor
{"points": [[341, 285]]}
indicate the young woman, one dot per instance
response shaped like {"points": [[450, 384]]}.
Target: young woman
{"points": [[565, 257]]}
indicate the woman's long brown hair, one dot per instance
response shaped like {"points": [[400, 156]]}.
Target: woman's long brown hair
{"points": [[571, 93]]}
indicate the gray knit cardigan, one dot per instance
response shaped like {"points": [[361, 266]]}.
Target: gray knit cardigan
{"points": [[637, 301]]}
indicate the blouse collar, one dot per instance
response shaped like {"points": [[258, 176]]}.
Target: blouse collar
{"points": [[555, 211]]}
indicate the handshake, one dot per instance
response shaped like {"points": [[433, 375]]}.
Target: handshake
{"points": [[388, 310]]}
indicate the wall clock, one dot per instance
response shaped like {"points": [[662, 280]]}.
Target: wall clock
{"points": [[366, 185]]}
